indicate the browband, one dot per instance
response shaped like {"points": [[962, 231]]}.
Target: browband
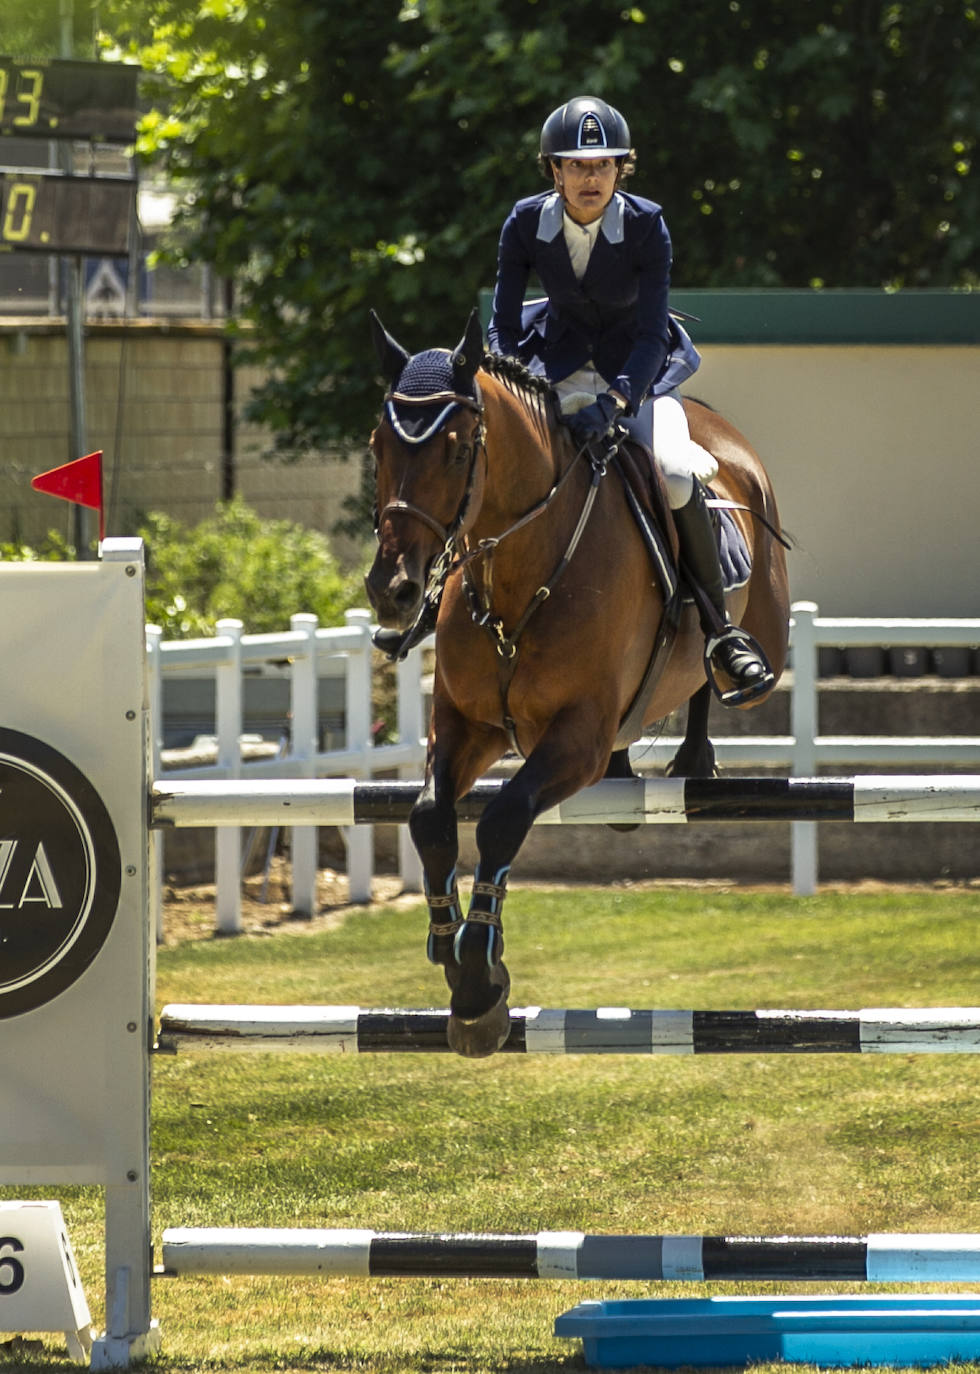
{"points": [[441, 404]]}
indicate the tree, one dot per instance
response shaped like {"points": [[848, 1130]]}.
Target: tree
{"points": [[344, 156], [33, 30], [234, 564]]}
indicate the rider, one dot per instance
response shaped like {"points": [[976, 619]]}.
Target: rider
{"points": [[604, 338]]}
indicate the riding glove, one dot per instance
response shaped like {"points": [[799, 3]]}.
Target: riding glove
{"points": [[596, 420]]}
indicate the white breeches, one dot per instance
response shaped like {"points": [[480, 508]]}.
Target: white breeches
{"points": [[660, 425]]}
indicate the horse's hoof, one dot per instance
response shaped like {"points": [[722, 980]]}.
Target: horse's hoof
{"points": [[693, 765], [472, 1032], [481, 1036]]}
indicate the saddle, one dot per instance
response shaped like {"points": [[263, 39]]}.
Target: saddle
{"points": [[642, 482], [646, 496]]}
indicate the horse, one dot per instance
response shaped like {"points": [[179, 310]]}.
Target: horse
{"points": [[554, 630]]}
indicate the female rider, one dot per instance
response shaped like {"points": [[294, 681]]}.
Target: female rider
{"points": [[605, 340]]}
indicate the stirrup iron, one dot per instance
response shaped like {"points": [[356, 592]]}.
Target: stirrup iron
{"points": [[737, 696]]}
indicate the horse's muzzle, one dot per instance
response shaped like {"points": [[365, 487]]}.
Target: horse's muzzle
{"points": [[395, 598]]}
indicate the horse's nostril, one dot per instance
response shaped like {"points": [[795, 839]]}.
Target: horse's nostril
{"points": [[407, 594]]}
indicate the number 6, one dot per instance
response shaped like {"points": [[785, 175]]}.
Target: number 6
{"points": [[13, 1265]]}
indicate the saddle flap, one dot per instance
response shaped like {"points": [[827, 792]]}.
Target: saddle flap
{"points": [[646, 495]]}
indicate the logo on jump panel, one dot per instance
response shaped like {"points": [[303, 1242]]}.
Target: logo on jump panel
{"points": [[59, 873]]}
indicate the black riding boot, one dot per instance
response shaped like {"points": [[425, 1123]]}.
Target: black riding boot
{"points": [[396, 643], [728, 649]]}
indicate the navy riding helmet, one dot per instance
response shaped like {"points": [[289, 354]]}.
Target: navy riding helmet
{"points": [[585, 127]]}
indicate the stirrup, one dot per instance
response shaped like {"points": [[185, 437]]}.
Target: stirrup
{"points": [[751, 691]]}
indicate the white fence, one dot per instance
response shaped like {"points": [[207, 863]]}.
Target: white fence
{"points": [[306, 654]]}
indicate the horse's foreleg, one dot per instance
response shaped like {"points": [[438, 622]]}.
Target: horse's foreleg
{"points": [[696, 756], [458, 755], [480, 1020], [434, 832]]}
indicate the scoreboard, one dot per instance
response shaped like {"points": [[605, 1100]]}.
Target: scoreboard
{"points": [[62, 98], [51, 212]]}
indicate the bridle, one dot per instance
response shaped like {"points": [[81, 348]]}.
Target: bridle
{"points": [[447, 535], [450, 536], [455, 555]]}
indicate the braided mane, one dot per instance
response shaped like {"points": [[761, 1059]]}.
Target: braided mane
{"points": [[536, 391]]}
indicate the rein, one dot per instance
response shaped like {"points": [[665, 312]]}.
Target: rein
{"points": [[456, 556], [482, 608]]}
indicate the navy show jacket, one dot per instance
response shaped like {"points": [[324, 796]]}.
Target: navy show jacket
{"points": [[615, 317]]}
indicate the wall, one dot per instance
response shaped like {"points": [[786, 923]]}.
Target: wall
{"points": [[873, 453], [865, 407], [155, 406]]}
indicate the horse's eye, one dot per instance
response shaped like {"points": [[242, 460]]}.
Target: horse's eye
{"points": [[463, 454]]}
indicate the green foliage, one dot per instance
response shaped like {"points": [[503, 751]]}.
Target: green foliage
{"points": [[334, 164], [235, 565], [53, 548], [36, 28]]}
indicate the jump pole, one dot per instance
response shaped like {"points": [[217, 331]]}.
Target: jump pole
{"points": [[604, 1030], [640, 801], [573, 1255]]}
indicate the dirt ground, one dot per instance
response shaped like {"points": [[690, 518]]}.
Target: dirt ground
{"points": [[189, 912]]}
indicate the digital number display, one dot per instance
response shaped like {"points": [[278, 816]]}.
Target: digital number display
{"points": [[48, 212], [65, 99]]}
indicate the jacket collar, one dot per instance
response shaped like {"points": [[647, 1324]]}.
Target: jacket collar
{"points": [[550, 218]]}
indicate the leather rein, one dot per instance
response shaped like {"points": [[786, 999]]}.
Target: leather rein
{"points": [[456, 553]]}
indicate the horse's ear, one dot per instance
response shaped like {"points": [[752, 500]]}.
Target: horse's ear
{"points": [[468, 354], [391, 355]]}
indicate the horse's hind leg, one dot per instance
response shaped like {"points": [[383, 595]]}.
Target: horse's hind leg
{"points": [[619, 766], [696, 756]]}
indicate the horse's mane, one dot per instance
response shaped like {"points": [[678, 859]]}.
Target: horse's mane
{"points": [[535, 391]]}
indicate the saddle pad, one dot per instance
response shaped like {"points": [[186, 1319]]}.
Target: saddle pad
{"points": [[736, 566]]}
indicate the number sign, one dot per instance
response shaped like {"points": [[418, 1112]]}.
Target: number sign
{"points": [[67, 99], [49, 212]]}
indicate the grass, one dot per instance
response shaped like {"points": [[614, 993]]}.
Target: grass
{"points": [[737, 1144]]}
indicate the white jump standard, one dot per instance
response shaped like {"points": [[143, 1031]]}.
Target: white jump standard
{"points": [[604, 1030]]}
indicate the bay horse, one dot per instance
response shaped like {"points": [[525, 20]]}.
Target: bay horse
{"points": [[549, 616]]}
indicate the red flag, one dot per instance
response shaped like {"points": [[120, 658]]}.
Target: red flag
{"points": [[80, 481]]}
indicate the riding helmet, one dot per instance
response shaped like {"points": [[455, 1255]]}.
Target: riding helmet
{"points": [[585, 127]]}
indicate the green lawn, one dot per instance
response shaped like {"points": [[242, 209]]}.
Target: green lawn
{"points": [[795, 1144]]}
